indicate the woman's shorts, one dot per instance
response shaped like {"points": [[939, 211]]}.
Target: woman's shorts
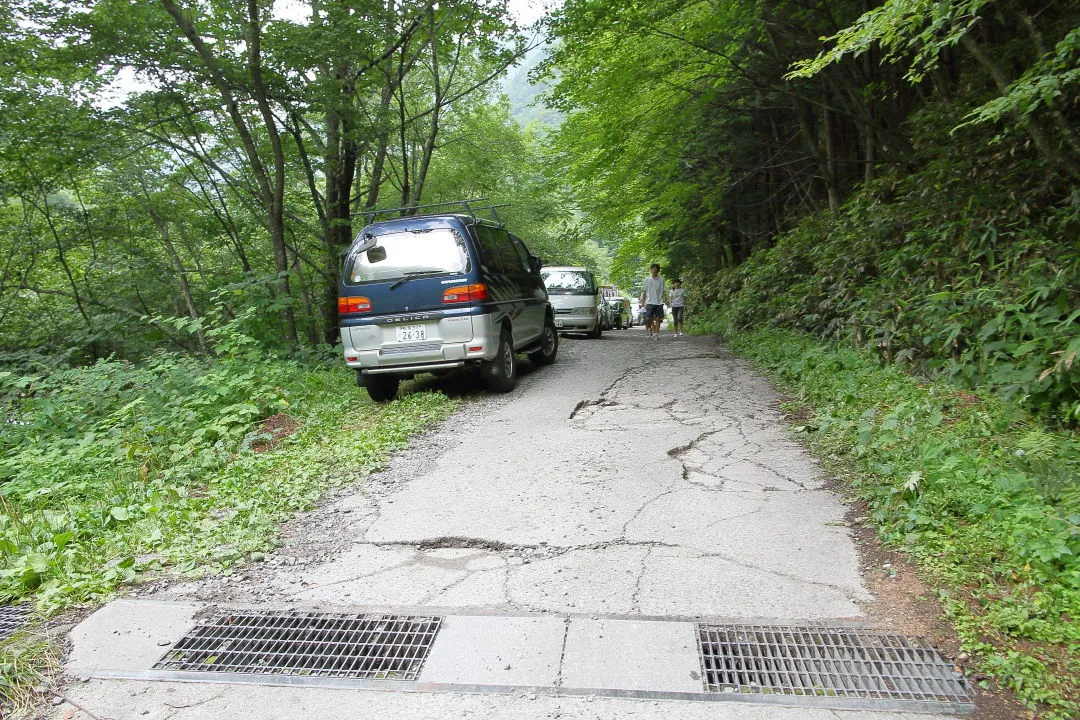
{"points": [[676, 314], [654, 311]]}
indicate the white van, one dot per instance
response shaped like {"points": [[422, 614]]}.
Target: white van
{"points": [[575, 296]]}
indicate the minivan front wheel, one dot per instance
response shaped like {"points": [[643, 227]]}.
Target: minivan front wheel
{"points": [[549, 345], [502, 371], [382, 388]]}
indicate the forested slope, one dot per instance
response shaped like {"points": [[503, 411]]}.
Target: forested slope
{"points": [[889, 221]]}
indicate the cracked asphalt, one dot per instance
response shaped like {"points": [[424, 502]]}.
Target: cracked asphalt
{"points": [[633, 477], [635, 483]]}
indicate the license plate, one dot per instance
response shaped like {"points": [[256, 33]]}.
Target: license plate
{"points": [[411, 333]]}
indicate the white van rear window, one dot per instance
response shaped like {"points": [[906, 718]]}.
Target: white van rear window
{"points": [[568, 282], [396, 255]]}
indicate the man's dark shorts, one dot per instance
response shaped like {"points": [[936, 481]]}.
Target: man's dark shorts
{"points": [[676, 314], [654, 311]]}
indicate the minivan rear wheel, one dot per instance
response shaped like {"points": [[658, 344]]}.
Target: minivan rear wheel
{"points": [[502, 371], [549, 345], [382, 388], [596, 331]]}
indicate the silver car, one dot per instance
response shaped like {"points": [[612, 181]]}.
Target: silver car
{"points": [[574, 294]]}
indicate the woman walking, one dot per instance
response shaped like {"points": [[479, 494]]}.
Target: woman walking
{"points": [[678, 302]]}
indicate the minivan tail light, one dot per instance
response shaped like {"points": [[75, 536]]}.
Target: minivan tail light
{"points": [[465, 293], [353, 304]]}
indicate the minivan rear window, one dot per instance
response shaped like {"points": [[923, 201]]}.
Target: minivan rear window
{"points": [[568, 282], [395, 255]]}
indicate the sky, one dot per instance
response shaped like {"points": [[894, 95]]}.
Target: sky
{"points": [[525, 11]]}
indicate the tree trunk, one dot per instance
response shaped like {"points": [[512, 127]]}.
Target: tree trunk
{"points": [[271, 188]]}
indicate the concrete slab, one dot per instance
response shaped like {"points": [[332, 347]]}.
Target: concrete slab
{"points": [[631, 655], [128, 635], [675, 583], [139, 700], [492, 650]]}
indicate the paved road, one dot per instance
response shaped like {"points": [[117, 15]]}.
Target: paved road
{"points": [[569, 532]]}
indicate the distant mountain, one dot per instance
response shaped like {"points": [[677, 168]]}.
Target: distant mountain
{"points": [[525, 103]]}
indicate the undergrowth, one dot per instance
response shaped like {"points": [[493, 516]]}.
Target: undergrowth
{"points": [[949, 269], [114, 469], [119, 469], [985, 498]]}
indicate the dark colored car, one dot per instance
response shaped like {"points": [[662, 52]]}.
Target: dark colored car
{"points": [[434, 293], [619, 307]]}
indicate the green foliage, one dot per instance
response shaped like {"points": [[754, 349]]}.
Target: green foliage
{"points": [[907, 30], [114, 469], [985, 499], [1050, 80], [983, 291], [917, 32]]}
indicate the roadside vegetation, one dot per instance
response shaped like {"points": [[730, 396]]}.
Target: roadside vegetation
{"points": [[119, 471], [120, 468], [980, 493]]}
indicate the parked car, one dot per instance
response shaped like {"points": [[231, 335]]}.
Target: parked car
{"points": [[438, 292], [620, 312], [634, 312], [574, 295]]}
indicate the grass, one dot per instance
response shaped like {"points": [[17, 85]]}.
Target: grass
{"points": [[118, 470], [985, 499], [27, 662]]}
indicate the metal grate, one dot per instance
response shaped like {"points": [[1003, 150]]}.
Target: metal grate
{"points": [[12, 617], [826, 662], [376, 647]]}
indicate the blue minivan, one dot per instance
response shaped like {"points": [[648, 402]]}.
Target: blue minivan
{"points": [[439, 292]]}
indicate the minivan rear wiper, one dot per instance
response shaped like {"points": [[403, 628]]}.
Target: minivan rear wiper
{"points": [[415, 273]]}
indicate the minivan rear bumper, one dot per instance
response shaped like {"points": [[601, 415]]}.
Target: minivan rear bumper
{"points": [[571, 323], [450, 342]]}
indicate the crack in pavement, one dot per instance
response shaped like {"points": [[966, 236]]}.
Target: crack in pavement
{"points": [[736, 447], [562, 654], [635, 599]]}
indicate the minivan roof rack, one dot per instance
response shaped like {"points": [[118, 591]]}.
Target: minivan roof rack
{"points": [[466, 204]]}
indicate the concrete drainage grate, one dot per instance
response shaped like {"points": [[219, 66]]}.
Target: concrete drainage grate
{"points": [[829, 664], [375, 647], [12, 617]]}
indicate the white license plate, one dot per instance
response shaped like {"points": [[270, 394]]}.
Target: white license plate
{"points": [[411, 333]]}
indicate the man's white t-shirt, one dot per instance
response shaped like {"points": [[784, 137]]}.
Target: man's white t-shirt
{"points": [[654, 290]]}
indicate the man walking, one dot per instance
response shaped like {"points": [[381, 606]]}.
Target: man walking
{"points": [[653, 297]]}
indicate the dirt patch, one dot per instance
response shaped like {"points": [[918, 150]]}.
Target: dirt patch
{"points": [[271, 431]]}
